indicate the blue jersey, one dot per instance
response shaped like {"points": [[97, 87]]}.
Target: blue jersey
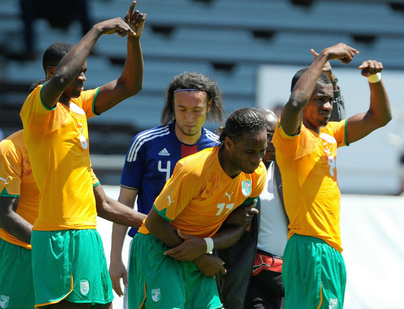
{"points": [[151, 159]]}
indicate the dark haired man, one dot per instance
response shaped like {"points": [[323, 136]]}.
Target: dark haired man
{"points": [[203, 190], [306, 145], [54, 117], [191, 99]]}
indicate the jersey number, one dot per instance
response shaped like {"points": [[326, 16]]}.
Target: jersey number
{"points": [[166, 170], [332, 164], [223, 206]]}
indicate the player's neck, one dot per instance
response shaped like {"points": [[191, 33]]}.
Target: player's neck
{"points": [[226, 165]]}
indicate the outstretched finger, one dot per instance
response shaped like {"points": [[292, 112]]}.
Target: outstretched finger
{"points": [[314, 53]]}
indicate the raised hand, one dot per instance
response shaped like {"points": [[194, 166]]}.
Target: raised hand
{"points": [[135, 20], [341, 51], [327, 67], [114, 25], [371, 67]]}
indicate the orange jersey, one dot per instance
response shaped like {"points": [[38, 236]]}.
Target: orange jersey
{"points": [[200, 195], [16, 180], [57, 144], [309, 175]]}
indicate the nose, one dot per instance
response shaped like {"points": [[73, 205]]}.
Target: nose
{"points": [[328, 106], [82, 77], [189, 116], [258, 157]]}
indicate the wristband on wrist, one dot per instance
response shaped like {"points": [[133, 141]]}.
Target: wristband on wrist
{"points": [[209, 244], [335, 81], [375, 78]]}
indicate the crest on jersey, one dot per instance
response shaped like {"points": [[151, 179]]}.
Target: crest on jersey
{"points": [[84, 287], [156, 295], [246, 187], [4, 301], [333, 303]]}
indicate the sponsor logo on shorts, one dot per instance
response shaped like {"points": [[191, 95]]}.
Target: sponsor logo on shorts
{"points": [[84, 287], [246, 187], [156, 295], [4, 301], [333, 303]]}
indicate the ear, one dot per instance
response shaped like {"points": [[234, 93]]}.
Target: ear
{"points": [[49, 71], [228, 144]]}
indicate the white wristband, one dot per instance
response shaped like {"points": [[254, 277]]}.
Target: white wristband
{"points": [[375, 78], [209, 244]]}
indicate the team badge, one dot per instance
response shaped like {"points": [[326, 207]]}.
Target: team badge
{"points": [[246, 187], [333, 303], [84, 287], [4, 301], [156, 295]]}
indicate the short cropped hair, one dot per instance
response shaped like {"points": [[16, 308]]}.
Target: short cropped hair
{"points": [[242, 121], [198, 81], [36, 84], [266, 111], [322, 79], [54, 53]]}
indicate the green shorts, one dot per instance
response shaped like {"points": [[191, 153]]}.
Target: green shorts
{"points": [[159, 281], [16, 284], [314, 274], [70, 265]]}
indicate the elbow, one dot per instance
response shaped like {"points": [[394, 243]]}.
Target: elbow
{"points": [[385, 120], [136, 89], [102, 210]]}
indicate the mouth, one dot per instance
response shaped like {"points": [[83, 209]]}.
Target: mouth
{"points": [[80, 87]]}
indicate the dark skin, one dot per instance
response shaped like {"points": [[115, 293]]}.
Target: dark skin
{"points": [[67, 79], [12, 222], [107, 208], [309, 102], [244, 155]]}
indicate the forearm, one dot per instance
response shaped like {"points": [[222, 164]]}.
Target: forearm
{"points": [[132, 73], [118, 213], [379, 104], [17, 226], [71, 65], [162, 229], [117, 241], [228, 236]]}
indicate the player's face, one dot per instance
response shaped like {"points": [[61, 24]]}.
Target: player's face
{"points": [[246, 154], [77, 86], [271, 122], [191, 109], [317, 112]]}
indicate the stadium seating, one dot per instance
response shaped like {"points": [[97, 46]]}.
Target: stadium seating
{"points": [[227, 40]]}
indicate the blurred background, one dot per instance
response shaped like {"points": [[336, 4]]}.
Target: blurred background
{"points": [[252, 48]]}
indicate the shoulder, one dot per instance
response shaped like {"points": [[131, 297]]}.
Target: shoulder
{"points": [[197, 161], [157, 133], [146, 139], [210, 136], [13, 143]]}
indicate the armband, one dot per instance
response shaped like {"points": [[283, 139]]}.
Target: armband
{"points": [[209, 244], [375, 78]]}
